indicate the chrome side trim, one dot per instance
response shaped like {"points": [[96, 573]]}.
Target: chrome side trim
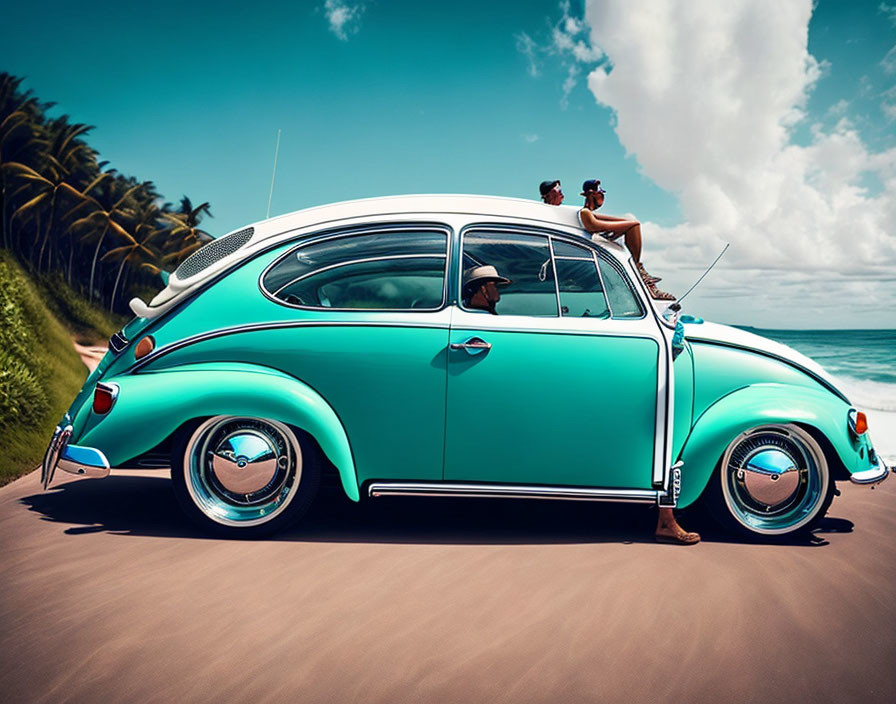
{"points": [[871, 476], [256, 327], [494, 491]]}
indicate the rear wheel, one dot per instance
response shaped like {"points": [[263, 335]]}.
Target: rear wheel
{"points": [[242, 476], [774, 480]]}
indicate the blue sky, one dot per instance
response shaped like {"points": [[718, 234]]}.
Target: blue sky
{"points": [[473, 97]]}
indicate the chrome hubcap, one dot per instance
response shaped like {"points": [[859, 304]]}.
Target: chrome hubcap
{"points": [[242, 471], [769, 478], [774, 479]]}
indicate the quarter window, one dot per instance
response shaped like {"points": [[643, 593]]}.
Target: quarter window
{"points": [[623, 301], [392, 270]]}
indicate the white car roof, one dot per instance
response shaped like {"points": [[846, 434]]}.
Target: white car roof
{"points": [[247, 241]]}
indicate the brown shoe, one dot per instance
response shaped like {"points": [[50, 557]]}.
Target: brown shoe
{"points": [[658, 295], [646, 277]]}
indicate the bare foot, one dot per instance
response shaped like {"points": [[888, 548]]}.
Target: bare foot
{"points": [[668, 530]]}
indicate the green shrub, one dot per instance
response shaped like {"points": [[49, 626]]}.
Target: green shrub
{"points": [[89, 322], [21, 370], [40, 372]]}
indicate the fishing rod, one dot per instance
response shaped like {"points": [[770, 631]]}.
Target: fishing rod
{"points": [[725, 249]]}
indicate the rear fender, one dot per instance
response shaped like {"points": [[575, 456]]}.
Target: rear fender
{"points": [[763, 404], [152, 405]]}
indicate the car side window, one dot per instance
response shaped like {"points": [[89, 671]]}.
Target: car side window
{"points": [[525, 260], [623, 301], [389, 270], [578, 282]]}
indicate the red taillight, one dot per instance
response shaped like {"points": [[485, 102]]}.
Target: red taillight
{"points": [[144, 347], [104, 398], [858, 423]]}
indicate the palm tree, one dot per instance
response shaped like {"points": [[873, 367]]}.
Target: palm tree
{"points": [[107, 209], [66, 160], [184, 235], [19, 138], [139, 251], [73, 162], [61, 207]]}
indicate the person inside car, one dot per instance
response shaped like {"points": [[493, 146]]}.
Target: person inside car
{"points": [[551, 192], [480, 289], [612, 228]]}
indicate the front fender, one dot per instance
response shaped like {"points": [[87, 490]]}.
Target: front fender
{"points": [[152, 405], [762, 404]]}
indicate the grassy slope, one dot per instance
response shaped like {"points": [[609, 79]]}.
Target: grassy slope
{"points": [[43, 347]]}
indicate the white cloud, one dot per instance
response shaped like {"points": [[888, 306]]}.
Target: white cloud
{"points": [[572, 77], [528, 48], [705, 96], [531, 138], [344, 17], [568, 40], [838, 109], [888, 63], [889, 11], [569, 36]]}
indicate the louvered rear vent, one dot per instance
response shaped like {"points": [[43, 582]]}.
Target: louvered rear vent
{"points": [[214, 251]]}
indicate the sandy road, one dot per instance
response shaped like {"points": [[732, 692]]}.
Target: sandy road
{"points": [[108, 595]]}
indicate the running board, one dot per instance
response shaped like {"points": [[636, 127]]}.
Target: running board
{"points": [[515, 491]]}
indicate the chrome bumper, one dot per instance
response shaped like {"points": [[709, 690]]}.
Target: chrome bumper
{"points": [[82, 461], [875, 475]]}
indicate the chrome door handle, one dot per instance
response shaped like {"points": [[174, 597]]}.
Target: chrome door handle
{"points": [[474, 345]]}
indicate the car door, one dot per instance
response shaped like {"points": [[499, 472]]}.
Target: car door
{"points": [[370, 336], [565, 385]]}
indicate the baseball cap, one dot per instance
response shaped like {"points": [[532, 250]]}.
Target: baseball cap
{"points": [[592, 185], [546, 186]]}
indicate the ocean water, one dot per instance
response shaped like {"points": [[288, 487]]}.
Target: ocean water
{"points": [[863, 361]]}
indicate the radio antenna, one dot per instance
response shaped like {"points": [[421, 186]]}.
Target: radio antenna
{"points": [[725, 249], [273, 175]]}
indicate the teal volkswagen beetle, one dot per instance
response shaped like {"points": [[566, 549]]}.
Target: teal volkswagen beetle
{"points": [[338, 340]]}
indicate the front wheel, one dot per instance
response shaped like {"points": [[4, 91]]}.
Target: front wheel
{"points": [[243, 477], [774, 480]]}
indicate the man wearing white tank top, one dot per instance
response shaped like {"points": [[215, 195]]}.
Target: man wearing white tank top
{"points": [[612, 228]]}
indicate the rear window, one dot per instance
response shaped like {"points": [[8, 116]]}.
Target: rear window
{"points": [[388, 270]]}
